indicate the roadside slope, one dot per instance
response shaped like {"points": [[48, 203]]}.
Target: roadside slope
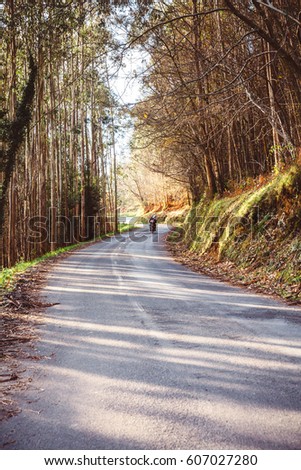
{"points": [[253, 238]]}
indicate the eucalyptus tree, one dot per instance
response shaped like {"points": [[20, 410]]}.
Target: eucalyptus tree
{"points": [[55, 180]]}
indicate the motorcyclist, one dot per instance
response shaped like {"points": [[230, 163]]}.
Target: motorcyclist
{"points": [[153, 223]]}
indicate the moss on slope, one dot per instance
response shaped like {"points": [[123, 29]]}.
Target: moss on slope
{"points": [[259, 232]]}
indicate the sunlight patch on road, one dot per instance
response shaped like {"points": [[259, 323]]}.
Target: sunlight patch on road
{"points": [[166, 408], [233, 351]]}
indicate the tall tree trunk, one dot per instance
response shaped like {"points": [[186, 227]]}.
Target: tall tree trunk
{"points": [[203, 115], [12, 100], [83, 181], [53, 156], [103, 181], [269, 74]]}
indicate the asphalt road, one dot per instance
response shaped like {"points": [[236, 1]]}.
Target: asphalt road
{"points": [[141, 353]]}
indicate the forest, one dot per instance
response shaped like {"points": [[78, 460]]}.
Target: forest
{"points": [[219, 111], [121, 331]]}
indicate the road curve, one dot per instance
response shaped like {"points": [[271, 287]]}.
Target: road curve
{"points": [[141, 353]]}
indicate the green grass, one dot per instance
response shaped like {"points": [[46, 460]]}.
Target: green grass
{"points": [[8, 275]]}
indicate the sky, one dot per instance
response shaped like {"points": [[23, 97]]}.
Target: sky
{"points": [[125, 82]]}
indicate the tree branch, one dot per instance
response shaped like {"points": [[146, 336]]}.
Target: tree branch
{"points": [[172, 20], [271, 40], [284, 13]]}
